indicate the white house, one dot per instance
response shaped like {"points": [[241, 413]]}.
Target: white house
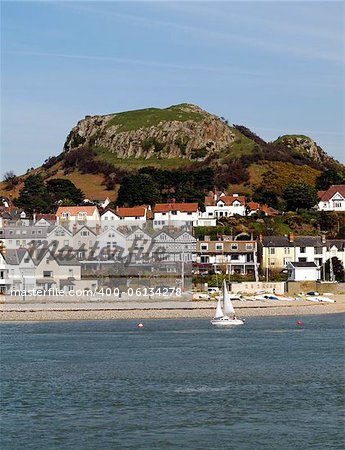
{"points": [[79, 215], [61, 273], [124, 216], [303, 271], [219, 205], [21, 271], [175, 214], [15, 237], [333, 199], [111, 244], [4, 280]]}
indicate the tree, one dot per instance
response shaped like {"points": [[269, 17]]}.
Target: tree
{"points": [[329, 177], [300, 195], [10, 179], [62, 189], [34, 196], [338, 269], [138, 190]]}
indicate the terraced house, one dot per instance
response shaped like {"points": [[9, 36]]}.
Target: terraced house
{"points": [[227, 256]]}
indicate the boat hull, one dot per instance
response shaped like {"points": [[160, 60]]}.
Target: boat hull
{"points": [[226, 323]]}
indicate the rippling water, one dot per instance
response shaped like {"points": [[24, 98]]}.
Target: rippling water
{"points": [[174, 384]]}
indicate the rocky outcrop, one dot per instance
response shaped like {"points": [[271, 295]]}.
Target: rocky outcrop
{"points": [[306, 147], [182, 137]]}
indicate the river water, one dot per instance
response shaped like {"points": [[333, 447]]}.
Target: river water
{"points": [[270, 384]]}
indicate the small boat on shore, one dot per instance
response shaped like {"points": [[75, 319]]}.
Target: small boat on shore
{"points": [[225, 316]]}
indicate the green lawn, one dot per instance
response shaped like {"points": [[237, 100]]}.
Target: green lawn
{"points": [[143, 118]]}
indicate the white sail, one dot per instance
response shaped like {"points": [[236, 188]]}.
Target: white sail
{"points": [[219, 311], [331, 271], [227, 305]]}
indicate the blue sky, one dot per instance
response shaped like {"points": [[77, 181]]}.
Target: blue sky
{"points": [[276, 67]]}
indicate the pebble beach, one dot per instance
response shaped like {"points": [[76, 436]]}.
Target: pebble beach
{"points": [[55, 311]]}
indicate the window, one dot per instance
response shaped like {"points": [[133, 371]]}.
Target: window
{"points": [[26, 260], [174, 213], [17, 242], [204, 246], [234, 246], [337, 204], [272, 251], [302, 259], [286, 260], [249, 246], [81, 215], [219, 246], [302, 250], [66, 242], [84, 233], [189, 213], [235, 257], [318, 250], [287, 250], [39, 231], [47, 274]]}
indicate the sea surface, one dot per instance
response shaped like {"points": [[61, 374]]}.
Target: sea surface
{"points": [[175, 384]]}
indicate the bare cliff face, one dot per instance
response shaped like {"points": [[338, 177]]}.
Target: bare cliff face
{"points": [[184, 131]]}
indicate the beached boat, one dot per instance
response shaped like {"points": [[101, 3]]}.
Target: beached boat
{"points": [[225, 316]]}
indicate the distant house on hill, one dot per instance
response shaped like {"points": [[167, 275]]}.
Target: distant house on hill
{"points": [[333, 199], [256, 208], [218, 205], [101, 202]]}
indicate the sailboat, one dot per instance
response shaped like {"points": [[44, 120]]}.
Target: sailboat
{"points": [[225, 317]]}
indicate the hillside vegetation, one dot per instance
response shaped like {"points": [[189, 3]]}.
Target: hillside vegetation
{"points": [[102, 151]]}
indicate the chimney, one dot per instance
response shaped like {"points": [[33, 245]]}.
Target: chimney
{"points": [[323, 239], [291, 237], [97, 228], [235, 195], [260, 237], [214, 196]]}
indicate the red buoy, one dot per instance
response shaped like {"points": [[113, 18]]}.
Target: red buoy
{"points": [[299, 322]]}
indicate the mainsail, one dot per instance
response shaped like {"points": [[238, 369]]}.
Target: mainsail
{"points": [[227, 305]]}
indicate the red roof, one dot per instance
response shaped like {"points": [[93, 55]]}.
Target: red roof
{"points": [[136, 211], [325, 196], [227, 199], [253, 206], [49, 217], [74, 210], [183, 207]]}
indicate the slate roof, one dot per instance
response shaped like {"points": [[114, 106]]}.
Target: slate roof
{"points": [[303, 264], [339, 243], [298, 241]]}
